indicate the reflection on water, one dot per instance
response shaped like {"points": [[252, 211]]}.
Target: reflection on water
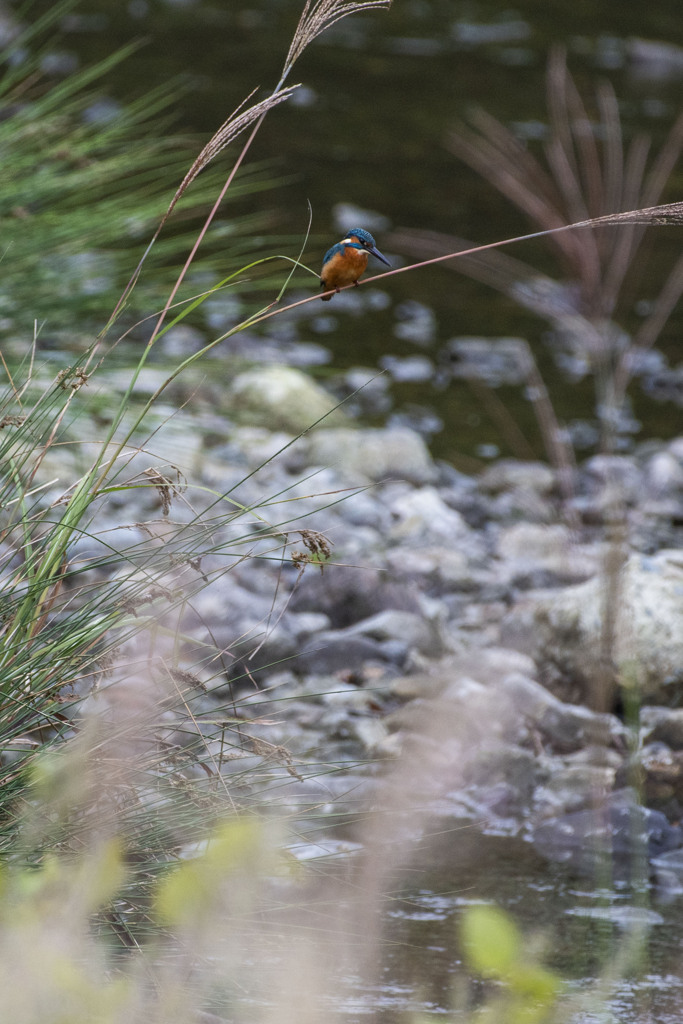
{"points": [[614, 949], [615, 945]]}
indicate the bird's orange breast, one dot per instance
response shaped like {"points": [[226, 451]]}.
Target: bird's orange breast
{"points": [[344, 268]]}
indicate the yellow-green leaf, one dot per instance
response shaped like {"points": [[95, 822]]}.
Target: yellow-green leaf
{"points": [[190, 890], [491, 941]]}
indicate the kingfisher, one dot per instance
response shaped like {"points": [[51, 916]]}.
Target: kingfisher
{"points": [[346, 261]]}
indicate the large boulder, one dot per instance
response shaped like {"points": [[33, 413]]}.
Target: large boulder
{"points": [[564, 631]]}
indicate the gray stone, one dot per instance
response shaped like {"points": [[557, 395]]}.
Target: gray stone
{"points": [[363, 508], [348, 594], [482, 668], [334, 692], [596, 755], [614, 477], [372, 454], [409, 629], [371, 733], [545, 555], [616, 832], [181, 341], [148, 380], [513, 475], [564, 629], [368, 391], [254, 447], [664, 475], [331, 652], [566, 727], [108, 549], [507, 763], [304, 624], [655, 59], [663, 497], [439, 566], [281, 398], [572, 787], [422, 516], [664, 725], [229, 608], [494, 361]]}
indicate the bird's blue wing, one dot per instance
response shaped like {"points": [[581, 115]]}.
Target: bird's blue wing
{"points": [[332, 252]]}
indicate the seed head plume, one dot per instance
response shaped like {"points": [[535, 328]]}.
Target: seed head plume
{"points": [[239, 121], [316, 16], [319, 15], [668, 213], [228, 131]]}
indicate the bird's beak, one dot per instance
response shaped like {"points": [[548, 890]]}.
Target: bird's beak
{"points": [[375, 252]]}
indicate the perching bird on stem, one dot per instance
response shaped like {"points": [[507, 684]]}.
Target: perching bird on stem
{"points": [[347, 260]]}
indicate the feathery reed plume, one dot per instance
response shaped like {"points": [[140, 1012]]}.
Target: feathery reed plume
{"points": [[231, 128], [581, 181], [319, 15], [315, 19], [228, 131], [316, 16]]}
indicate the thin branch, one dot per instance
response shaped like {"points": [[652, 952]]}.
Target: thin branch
{"points": [[669, 213]]}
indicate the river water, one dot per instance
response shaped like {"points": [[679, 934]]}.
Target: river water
{"points": [[368, 130], [616, 947]]}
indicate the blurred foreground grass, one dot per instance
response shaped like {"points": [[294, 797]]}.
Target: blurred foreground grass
{"points": [[85, 182]]}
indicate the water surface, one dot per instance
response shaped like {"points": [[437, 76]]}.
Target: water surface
{"points": [[369, 131]]}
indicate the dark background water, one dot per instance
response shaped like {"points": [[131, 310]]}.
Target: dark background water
{"points": [[381, 92]]}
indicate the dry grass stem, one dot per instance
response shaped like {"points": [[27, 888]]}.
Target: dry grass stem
{"points": [[316, 17], [583, 183]]}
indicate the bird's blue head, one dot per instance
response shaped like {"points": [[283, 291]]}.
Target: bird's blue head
{"points": [[365, 242], [364, 237]]}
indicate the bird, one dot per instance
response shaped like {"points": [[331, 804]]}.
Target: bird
{"points": [[346, 261]]}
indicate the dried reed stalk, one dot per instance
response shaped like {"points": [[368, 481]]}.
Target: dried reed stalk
{"points": [[316, 17]]}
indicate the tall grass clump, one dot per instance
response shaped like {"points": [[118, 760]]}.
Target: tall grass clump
{"points": [[84, 183], [61, 628], [590, 197]]}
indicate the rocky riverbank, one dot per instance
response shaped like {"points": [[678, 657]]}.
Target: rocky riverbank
{"points": [[531, 668]]}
